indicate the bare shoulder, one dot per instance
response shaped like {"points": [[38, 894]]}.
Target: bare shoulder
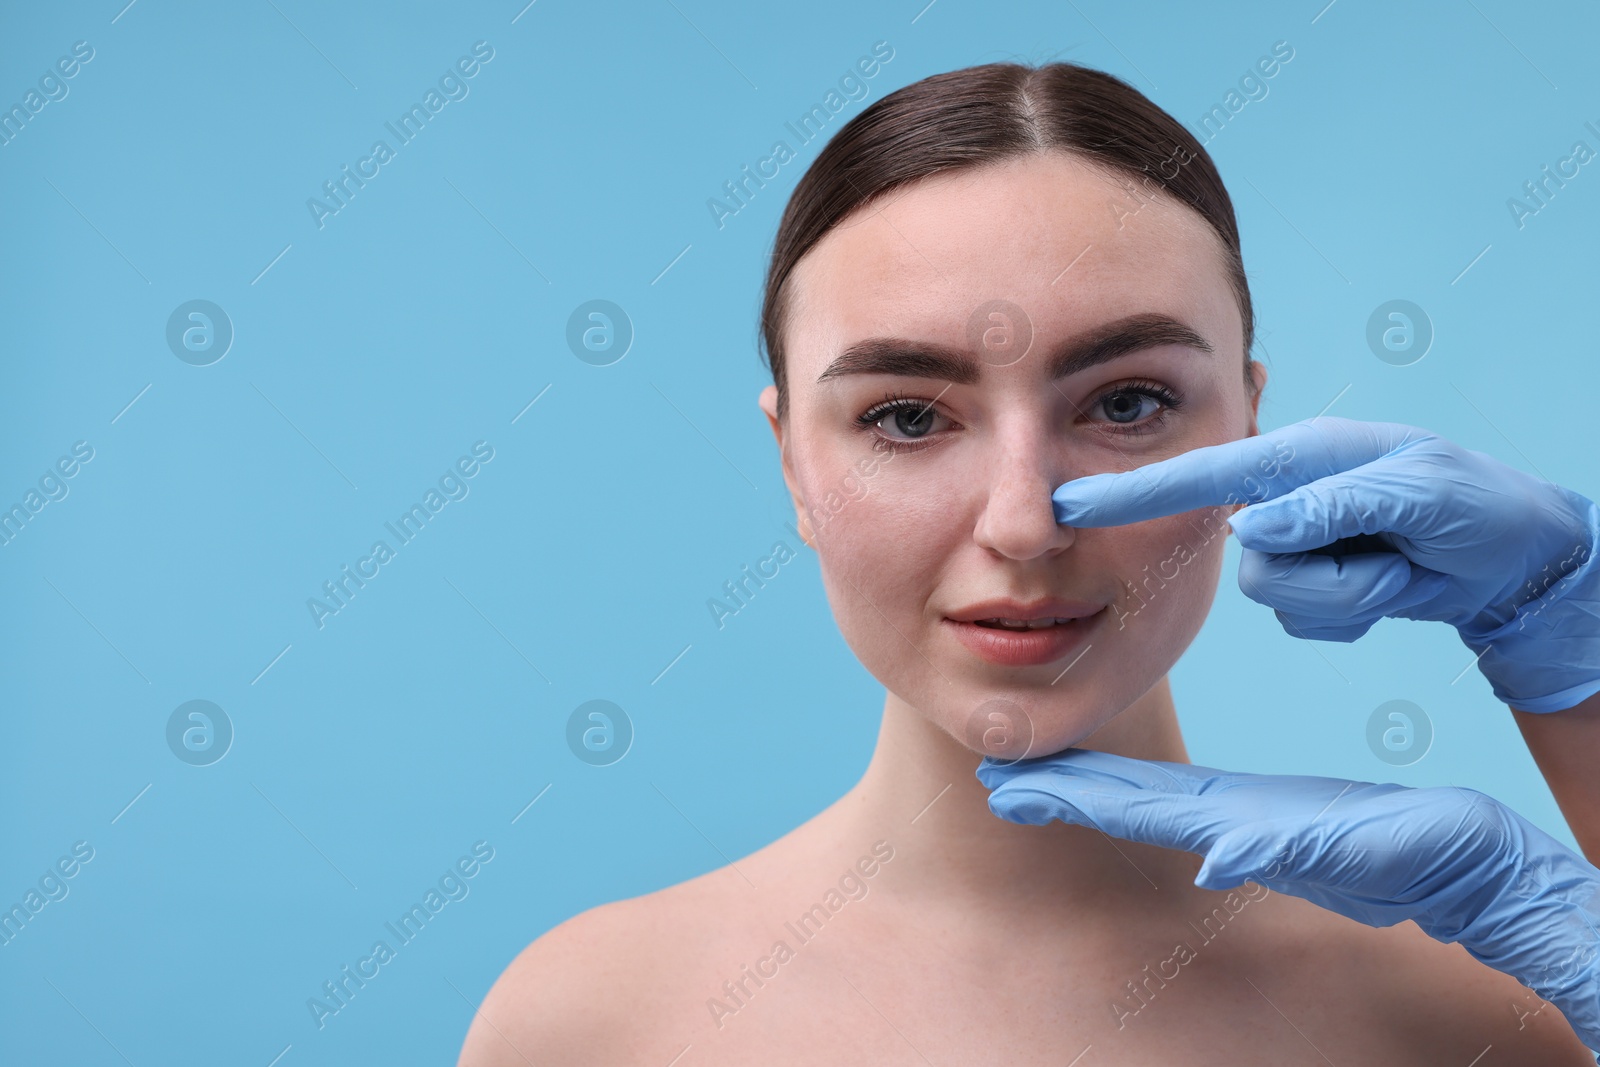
{"points": [[626, 982], [1490, 1013], [548, 1004], [542, 1007], [1425, 1000]]}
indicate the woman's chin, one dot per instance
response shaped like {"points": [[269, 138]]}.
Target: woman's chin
{"points": [[1005, 728]]}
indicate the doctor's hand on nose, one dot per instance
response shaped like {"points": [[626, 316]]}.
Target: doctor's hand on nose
{"points": [[1347, 522], [1460, 864]]}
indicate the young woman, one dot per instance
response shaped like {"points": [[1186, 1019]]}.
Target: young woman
{"points": [[989, 283]]}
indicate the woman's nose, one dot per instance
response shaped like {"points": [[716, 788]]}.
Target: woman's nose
{"points": [[1018, 520]]}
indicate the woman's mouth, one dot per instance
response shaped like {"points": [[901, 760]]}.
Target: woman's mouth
{"points": [[1020, 624], [1024, 642]]}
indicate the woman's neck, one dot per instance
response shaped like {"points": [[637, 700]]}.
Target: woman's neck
{"points": [[920, 795]]}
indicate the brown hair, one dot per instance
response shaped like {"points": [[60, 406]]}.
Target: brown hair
{"points": [[984, 114]]}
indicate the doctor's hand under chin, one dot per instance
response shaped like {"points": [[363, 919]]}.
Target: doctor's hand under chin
{"points": [[1461, 865]]}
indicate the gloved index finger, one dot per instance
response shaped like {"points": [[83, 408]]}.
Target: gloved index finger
{"points": [[1149, 801], [1246, 471], [1105, 767]]}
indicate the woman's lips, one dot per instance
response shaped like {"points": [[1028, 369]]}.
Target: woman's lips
{"points": [[1024, 648]]}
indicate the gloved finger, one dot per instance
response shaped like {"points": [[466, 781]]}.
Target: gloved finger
{"points": [[1311, 862], [1260, 852], [1130, 812], [1172, 805], [1309, 629], [1131, 798], [1093, 766], [1035, 807], [1336, 589], [1235, 472], [1388, 495], [1263, 795]]}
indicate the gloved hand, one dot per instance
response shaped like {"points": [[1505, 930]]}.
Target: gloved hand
{"points": [[1460, 864], [1347, 522]]}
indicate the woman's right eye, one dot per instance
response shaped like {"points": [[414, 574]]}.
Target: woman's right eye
{"points": [[909, 417]]}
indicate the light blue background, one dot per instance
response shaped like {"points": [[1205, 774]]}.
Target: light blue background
{"points": [[431, 310]]}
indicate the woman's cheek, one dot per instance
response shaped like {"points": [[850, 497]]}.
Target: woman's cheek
{"points": [[875, 533], [835, 481], [1169, 570], [880, 551]]}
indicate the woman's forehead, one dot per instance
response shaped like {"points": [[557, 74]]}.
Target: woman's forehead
{"points": [[1060, 239]]}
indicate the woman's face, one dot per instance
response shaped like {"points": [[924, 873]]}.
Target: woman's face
{"points": [[1022, 273]]}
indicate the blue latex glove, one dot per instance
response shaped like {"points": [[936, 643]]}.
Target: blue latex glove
{"points": [[1348, 522], [1460, 864]]}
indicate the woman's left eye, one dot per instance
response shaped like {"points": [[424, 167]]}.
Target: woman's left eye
{"points": [[1144, 405]]}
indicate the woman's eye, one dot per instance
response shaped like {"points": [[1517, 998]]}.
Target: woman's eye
{"points": [[1140, 406], [911, 420], [1129, 407]]}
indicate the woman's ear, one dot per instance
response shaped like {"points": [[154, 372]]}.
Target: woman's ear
{"points": [[768, 400], [1258, 382], [1258, 377]]}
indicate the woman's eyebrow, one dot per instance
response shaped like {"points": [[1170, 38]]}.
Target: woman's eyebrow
{"points": [[928, 359]]}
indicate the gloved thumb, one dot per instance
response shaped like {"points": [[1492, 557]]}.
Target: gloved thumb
{"points": [[1336, 589], [1246, 853], [1381, 496], [1020, 803]]}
